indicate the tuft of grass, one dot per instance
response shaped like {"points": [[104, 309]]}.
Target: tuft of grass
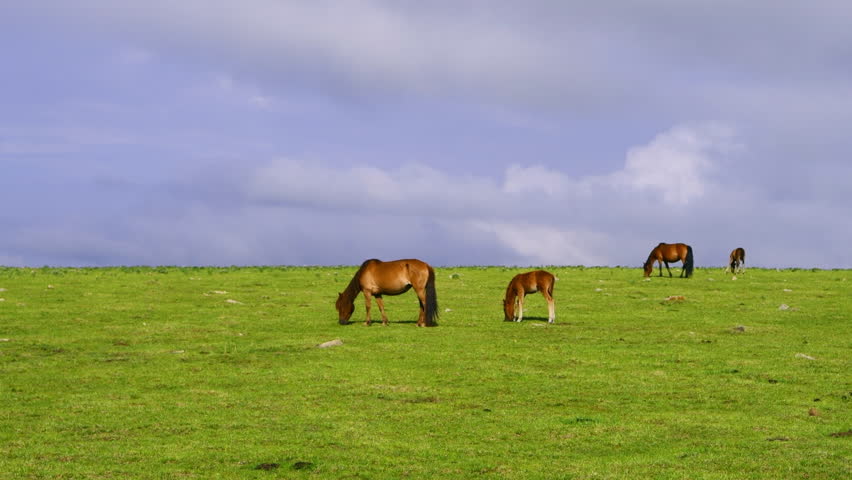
{"points": [[141, 372]]}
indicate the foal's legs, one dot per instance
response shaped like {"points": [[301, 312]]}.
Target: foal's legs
{"points": [[551, 308], [520, 310]]}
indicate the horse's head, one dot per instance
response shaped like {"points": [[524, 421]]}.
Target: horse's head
{"points": [[345, 308], [649, 268], [508, 310]]}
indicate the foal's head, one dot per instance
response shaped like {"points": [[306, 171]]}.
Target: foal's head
{"points": [[508, 310]]}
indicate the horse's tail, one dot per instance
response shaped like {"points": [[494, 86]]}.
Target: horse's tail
{"points": [[689, 263], [431, 300]]}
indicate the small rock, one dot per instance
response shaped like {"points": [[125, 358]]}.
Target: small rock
{"points": [[599, 289], [787, 290], [4, 339], [784, 306], [813, 412], [675, 298], [740, 328], [219, 292], [233, 301], [448, 310], [806, 357], [2, 289], [734, 277], [331, 343]]}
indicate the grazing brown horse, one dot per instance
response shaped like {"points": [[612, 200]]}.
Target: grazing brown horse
{"points": [[736, 262], [670, 252], [524, 283], [376, 278]]}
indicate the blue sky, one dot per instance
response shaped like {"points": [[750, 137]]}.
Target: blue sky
{"points": [[476, 132]]}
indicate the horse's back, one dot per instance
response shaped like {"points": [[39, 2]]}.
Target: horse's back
{"points": [[395, 273], [534, 281]]}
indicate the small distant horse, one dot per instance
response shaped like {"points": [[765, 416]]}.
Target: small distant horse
{"points": [[376, 278], [670, 252], [524, 283], [736, 262]]}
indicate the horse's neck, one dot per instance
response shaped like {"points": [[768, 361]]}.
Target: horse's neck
{"points": [[511, 292], [354, 287]]}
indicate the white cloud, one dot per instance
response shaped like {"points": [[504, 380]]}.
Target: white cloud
{"points": [[676, 163], [541, 214], [549, 244]]}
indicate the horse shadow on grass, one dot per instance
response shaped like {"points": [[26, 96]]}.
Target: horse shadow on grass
{"points": [[379, 322], [532, 318]]}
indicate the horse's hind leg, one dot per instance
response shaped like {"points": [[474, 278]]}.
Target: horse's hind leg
{"points": [[381, 303], [551, 308], [421, 297]]}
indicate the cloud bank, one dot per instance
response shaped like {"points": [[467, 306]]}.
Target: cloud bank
{"points": [[479, 132]]}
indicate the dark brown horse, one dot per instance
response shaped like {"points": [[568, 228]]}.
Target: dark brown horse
{"points": [[670, 252], [376, 278], [524, 283], [736, 262]]}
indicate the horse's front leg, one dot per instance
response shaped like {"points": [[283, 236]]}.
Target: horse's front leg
{"points": [[667, 269], [661, 267], [367, 298], [380, 301]]}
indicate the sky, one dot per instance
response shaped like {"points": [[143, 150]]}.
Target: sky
{"points": [[481, 132]]}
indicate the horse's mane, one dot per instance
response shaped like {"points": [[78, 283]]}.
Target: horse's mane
{"points": [[510, 292], [354, 287], [650, 260]]}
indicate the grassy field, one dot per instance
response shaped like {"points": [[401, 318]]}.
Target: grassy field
{"points": [[215, 373]]}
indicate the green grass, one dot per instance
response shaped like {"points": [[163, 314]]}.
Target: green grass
{"points": [[150, 373]]}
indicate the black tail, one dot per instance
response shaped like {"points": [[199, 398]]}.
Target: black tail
{"points": [[431, 300], [688, 264]]}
